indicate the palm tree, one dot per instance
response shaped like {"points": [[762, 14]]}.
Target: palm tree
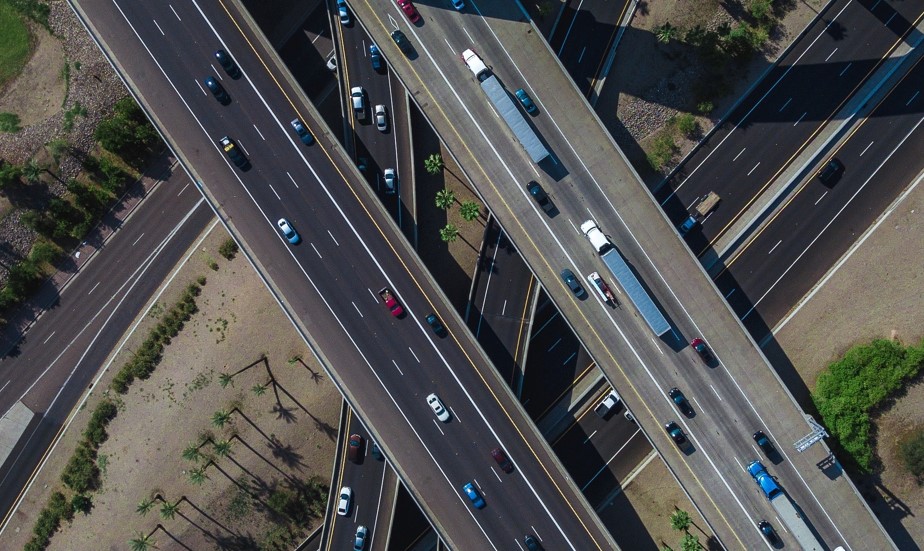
{"points": [[168, 510], [220, 417], [32, 170], [197, 476], [192, 453], [470, 210], [258, 390], [144, 506], [222, 447], [434, 164], [680, 520], [142, 542], [445, 198], [689, 542], [449, 234], [666, 32], [225, 379]]}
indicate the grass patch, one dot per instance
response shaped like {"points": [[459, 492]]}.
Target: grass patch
{"points": [[15, 43], [9, 122]]}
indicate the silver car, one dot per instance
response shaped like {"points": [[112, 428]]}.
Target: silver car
{"points": [[391, 180], [358, 99], [441, 413], [381, 118]]}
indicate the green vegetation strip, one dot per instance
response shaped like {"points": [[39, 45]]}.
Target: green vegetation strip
{"points": [[855, 386], [15, 43]]}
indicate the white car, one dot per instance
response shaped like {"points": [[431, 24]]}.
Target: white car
{"points": [[346, 499], [441, 413], [358, 98], [381, 118], [391, 180]]}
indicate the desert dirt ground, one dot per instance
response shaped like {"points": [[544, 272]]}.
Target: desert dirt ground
{"points": [[285, 435], [38, 92]]}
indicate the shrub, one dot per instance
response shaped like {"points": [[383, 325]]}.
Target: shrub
{"points": [[228, 249], [200, 280], [662, 151], [761, 10], [95, 432], [912, 453], [705, 107], [9, 122], [44, 252], [82, 503], [852, 387], [81, 473], [687, 125], [212, 264]]}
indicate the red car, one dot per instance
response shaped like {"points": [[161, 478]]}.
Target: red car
{"points": [[409, 10], [700, 346], [391, 302]]}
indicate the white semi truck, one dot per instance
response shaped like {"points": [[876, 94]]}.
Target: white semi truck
{"points": [[505, 106], [626, 278]]}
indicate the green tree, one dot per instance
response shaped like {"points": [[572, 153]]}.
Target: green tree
{"points": [[449, 234], [666, 32], [225, 379], [142, 542], [761, 10], [680, 520], [445, 198], [689, 542], [687, 125], [197, 476], [9, 174], [912, 453], [220, 418], [144, 506], [32, 171], [82, 503], [168, 510], [434, 164], [470, 210], [192, 453], [222, 448]]}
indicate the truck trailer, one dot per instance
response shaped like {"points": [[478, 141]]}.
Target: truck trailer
{"points": [[626, 278], [505, 106], [784, 508]]}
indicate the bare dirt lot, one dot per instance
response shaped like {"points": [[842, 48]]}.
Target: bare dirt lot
{"points": [[282, 426]]}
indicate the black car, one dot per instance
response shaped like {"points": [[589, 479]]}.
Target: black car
{"points": [[531, 543], [217, 90], [434, 322], [302, 132], [568, 277], [682, 404], [502, 460], [676, 433], [764, 443], [541, 197], [234, 153], [831, 172], [228, 64], [403, 43], [768, 532], [376, 451]]}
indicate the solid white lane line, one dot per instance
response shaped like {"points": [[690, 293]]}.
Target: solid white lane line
{"points": [[568, 33]]}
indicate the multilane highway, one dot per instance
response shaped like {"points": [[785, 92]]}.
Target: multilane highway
{"points": [[732, 398], [327, 285]]}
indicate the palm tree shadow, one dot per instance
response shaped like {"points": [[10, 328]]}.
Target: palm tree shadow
{"points": [[285, 453], [171, 536], [261, 456], [316, 376]]}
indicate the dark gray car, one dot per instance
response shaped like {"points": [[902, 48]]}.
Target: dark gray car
{"points": [[568, 277]]}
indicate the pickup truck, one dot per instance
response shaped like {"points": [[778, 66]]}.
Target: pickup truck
{"points": [[699, 212], [607, 405], [391, 302], [602, 289]]}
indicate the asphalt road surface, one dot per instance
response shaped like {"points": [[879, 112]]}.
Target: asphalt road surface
{"points": [[817, 225], [785, 111], [64, 351], [329, 282]]}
